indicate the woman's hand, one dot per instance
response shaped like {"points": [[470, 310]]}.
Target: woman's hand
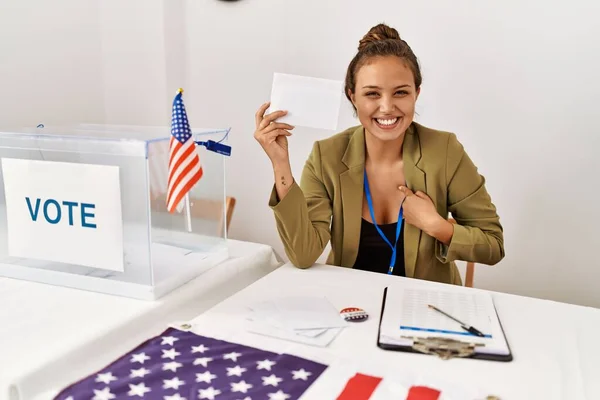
{"points": [[272, 135], [420, 212]]}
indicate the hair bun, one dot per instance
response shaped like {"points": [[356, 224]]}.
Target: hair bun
{"points": [[377, 33]]}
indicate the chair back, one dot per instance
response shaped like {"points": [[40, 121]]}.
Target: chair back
{"points": [[470, 272], [207, 209]]}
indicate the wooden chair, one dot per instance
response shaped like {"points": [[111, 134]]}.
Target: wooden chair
{"points": [[206, 209], [209, 209], [469, 275]]}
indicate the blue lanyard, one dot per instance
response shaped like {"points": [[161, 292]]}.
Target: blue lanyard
{"points": [[398, 225]]}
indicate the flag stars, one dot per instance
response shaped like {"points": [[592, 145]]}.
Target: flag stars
{"points": [[271, 380], [265, 364], [235, 371], [103, 394], [301, 374], [209, 393], [172, 366], [181, 365], [138, 390], [106, 378], [231, 356], [139, 373], [140, 358], [241, 387], [205, 377], [176, 396], [279, 395], [171, 353], [199, 349], [203, 361], [172, 383]]}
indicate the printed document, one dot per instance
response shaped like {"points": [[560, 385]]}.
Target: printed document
{"points": [[407, 315]]}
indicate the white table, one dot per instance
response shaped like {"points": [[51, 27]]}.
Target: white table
{"points": [[49, 334], [555, 345]]}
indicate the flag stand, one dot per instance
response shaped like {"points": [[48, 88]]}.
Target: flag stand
{"points": [[188, 212]]}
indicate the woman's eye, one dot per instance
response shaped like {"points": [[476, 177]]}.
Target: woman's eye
{"points": [[371, 94], [402, 92]]}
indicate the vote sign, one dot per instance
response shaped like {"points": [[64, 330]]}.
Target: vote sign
{"points": [[64, 212]]}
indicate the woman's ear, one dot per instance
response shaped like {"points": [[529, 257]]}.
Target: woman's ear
{"points": [[352, 97]]}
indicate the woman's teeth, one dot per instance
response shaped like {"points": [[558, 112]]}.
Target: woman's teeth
{"points": [[386, 121]]}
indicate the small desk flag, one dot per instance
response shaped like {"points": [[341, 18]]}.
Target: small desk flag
{"points": [[184, 163]]}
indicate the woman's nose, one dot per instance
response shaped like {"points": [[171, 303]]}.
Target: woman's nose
{"points": [[386, 105]]}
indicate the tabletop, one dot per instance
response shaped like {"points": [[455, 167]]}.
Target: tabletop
{"points": [[46, 331], [554, 345]]}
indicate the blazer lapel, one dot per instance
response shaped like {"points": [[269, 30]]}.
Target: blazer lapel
{"points": [[415, 180], [352, 186]]}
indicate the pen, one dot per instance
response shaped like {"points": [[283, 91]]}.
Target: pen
{"points": [[462, 324]]}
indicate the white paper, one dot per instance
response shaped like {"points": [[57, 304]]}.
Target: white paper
{"points": [[466, 307], [321, 340], [303, 312], [44, 212], [303, 319], [407, 315], [310, 102]]}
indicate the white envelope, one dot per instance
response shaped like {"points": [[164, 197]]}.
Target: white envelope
{"points": [[310, 102], [322, 340]]}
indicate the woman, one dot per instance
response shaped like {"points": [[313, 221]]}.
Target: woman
{"points": [[382, 191]]}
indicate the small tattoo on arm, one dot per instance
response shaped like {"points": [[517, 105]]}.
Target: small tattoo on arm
{"points": [[283, 181]]}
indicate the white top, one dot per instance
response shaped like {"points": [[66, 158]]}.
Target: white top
{"points": [[46, 330], [554, 345]]}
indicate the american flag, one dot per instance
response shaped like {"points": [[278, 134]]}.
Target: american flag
{"points": [[368, 387], [178, 364], [184, 164]]}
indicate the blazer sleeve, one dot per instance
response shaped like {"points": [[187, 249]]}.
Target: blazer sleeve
{"points": [[303, 216], [478, 236]]}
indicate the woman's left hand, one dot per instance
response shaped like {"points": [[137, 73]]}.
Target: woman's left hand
{"points": [[420, 212]]}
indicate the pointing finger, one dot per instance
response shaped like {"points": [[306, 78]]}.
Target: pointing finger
{"points": [[407, 192], [421, 195]]}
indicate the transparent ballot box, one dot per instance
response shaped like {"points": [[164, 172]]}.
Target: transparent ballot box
{"points": [[85, 206]]}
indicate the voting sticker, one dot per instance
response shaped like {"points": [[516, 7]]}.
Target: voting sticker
{"points": [[354, 314]]}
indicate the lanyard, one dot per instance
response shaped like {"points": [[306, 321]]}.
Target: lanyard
{"points": [[398, 225]]}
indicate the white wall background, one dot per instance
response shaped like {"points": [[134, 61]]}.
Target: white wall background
{"points": [[517, 81]]}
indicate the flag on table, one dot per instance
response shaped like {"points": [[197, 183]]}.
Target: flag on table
{"points": [[367, 387], [180, 365], [177, 365], [184, 164]]}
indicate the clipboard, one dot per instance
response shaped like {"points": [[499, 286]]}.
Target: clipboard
{"points": [[446, 346]]}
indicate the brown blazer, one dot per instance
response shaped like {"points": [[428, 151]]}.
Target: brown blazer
{"points": [[327, 205]]}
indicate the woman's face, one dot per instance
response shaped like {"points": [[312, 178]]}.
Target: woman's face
{"points": [[385, 97]]}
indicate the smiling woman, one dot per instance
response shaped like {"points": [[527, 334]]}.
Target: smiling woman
{"points": [[382, 191]]}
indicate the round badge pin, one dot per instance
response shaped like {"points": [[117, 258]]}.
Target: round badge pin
{"points": [[354, 314]]}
